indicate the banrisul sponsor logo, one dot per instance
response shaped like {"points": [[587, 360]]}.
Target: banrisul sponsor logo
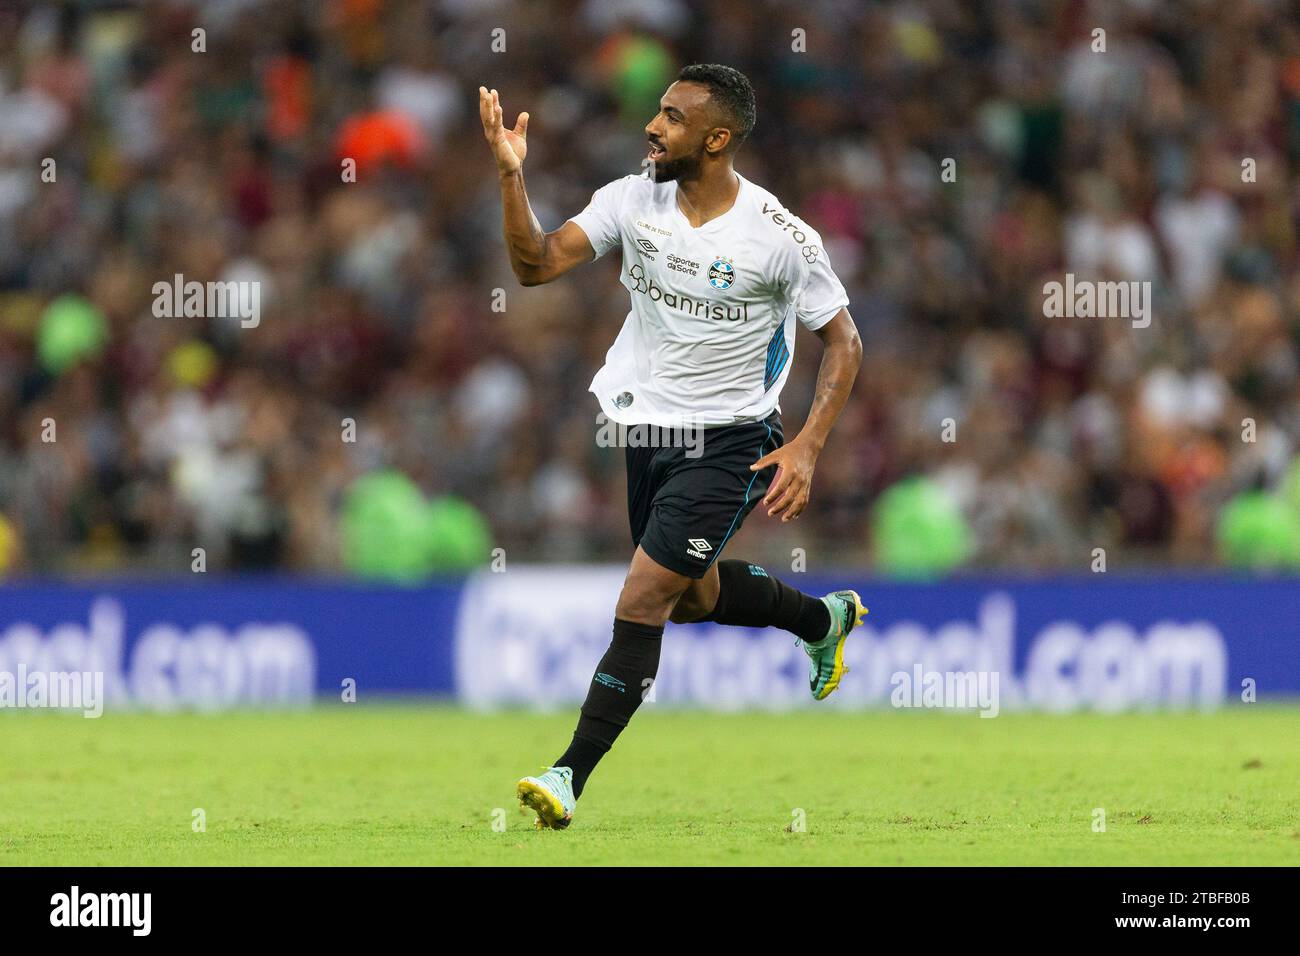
{"points": [[699, 308], [129, 910]]}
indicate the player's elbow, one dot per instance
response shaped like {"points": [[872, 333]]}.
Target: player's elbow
{"points": [[849, 344], [530, 276], [855, 349]]}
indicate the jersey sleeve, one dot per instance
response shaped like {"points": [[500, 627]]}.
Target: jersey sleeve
{"points": [[601, 220], [816, 292]]}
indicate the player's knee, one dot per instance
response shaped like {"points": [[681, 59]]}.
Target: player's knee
{"points": [[698, 601], [689, 608], [646, 601], [685, 611]]}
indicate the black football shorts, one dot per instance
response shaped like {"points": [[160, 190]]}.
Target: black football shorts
{"points": [[684, 503]]}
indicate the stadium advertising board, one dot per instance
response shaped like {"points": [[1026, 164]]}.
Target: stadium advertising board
{"points": [[529, 637]]}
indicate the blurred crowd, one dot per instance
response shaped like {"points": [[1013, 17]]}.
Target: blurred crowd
{"points": [[1167, 155]]}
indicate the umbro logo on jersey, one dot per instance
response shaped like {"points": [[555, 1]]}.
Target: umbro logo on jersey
{"points": [[646, 245], [697, 548]]}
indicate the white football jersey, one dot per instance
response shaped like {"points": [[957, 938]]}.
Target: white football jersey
{"points": [[710, 337]]}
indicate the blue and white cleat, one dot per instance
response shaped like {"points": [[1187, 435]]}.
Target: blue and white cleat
{"points": [[550, 796], [826, 666]]}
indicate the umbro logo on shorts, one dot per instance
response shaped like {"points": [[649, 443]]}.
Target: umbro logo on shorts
{"points": [[697, 547]]}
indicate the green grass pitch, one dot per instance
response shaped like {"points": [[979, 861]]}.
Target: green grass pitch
{"points": [[413, 785]]}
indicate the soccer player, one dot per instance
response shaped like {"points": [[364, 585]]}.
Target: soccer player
{"points": [[718, 272]]}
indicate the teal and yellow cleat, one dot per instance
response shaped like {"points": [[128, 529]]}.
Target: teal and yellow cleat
{"points": [[826, 666], [550, 796]]}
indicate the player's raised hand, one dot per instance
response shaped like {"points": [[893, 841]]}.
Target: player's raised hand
{"points": [[788, 494], [508, 146]]}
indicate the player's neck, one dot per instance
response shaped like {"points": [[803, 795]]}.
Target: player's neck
{"points": [[707, 197]]}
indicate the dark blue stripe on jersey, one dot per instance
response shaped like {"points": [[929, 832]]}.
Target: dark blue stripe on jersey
{"points": [[778, 353], [774, 347]]}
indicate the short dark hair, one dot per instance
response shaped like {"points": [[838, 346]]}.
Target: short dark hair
{"points": [[730, 90]]}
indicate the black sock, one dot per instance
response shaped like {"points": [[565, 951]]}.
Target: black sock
{"points": [[622, 679], [749, 597]]}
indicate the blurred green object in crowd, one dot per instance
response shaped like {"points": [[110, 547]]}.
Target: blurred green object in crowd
{"points": [[391, 533], [919, 530], [386, 528], [71, 329], [642, 69], [1259, 530], [460, 535]]}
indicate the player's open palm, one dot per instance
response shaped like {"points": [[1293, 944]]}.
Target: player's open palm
{"points": [[509, 146]]}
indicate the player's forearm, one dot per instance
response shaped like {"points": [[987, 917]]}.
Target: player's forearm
{"points": [[839, 369], [525, 238]]}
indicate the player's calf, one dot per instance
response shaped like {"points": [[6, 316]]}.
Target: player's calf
{"points": [[749, 597]]}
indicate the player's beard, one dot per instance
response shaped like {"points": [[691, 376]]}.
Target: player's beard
{"points": [[683, 167]]}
